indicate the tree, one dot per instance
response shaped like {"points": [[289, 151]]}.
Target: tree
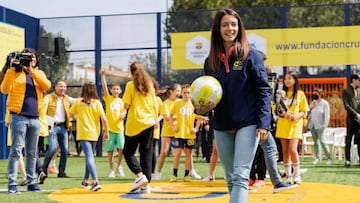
{"points": [[260, 14], [54, 67], [195, 16], [168, 76]]}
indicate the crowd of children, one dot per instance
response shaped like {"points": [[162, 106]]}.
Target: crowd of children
{"points": [[152, 116]]}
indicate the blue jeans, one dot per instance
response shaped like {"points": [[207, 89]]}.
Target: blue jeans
{"points": [[269, 149], [24, 133], [90, 167], [59, 134], [236, 152]]}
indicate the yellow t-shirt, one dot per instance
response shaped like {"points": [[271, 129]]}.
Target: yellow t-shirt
{"points": [[88, 119], [113, 108], [165, 111], [141, 113], [287, 129], [44, 129], [158, 107], [185, 116]]}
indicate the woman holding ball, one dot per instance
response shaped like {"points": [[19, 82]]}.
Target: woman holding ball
{"points": [[242, 117]]}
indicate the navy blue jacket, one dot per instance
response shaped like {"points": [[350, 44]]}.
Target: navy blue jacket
{"points": [[246, 96]]}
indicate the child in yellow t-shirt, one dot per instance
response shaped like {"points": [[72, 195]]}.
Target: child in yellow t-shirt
{"points": [[140, 100], [89, 111], [115, 114], [185, 136], [167, 134]]}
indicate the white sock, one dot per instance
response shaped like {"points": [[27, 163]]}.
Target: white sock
{"points": [[52, 163]]}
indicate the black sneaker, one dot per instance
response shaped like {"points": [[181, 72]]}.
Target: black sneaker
{"points": [[284, 186], [42, 177], [33, 188], [62, 175]]}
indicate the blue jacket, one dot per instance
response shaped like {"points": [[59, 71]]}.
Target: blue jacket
{"points": [[246, 96]]}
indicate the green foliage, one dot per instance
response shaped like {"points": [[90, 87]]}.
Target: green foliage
{"points": [[196, 16], [53, 67], [168, 76]]}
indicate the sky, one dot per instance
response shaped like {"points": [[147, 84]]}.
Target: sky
{"points": [[48, 11], [67, 8]]}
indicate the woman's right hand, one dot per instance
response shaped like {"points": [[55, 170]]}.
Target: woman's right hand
{"points": [[203, 108]]}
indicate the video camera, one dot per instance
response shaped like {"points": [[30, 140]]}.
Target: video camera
{"points": [[23, 59], [277, 94]]}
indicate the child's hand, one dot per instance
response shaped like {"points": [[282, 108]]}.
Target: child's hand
{"points": [[102, 71], [106, 135], [122, 116], [194, 130]]}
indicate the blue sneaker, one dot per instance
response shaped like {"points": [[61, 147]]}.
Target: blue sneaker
{"points": [[33, 188], [284, 186], [95, 187], [12, 190]]}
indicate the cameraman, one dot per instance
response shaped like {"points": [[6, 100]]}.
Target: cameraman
{"points": [[25, 84]]}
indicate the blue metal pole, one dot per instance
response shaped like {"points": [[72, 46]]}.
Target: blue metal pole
{"points": [[97, 75], [284, 25], [3, 128], [159, 54]]}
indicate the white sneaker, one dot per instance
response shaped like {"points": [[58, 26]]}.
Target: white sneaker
{"points": [[121, 171], [289, 180], [316, 162], [329, 162], [297, 179], [112, 174], [208, 178], [194, 174], [138, 183], [145, 189], [156, 176]]}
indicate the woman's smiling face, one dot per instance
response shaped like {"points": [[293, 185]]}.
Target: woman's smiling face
{"points": [[229, 28]]}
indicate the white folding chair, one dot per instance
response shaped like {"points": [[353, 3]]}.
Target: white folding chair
{"points": [[328, 139], [306, 141], [339, 142]]}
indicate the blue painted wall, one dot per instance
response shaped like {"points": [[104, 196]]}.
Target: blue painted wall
{"points": [[31, 27]]}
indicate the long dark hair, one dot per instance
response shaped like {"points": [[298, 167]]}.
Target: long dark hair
{"points": [[242, 46], [296, 85], [142, 80], [166, 89], [34, 53], [88, 92]]}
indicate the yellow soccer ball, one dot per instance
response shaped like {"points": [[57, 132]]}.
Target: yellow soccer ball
{"points": [[205, 89]]}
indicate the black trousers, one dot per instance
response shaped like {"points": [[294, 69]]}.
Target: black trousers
{"points": [[352, 129], [144, 141], [258, 168]]}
